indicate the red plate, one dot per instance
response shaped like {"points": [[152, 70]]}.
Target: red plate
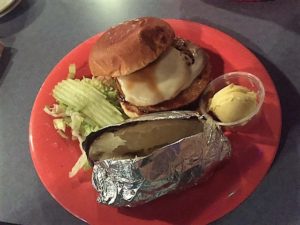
{"points": [[253, 152]]}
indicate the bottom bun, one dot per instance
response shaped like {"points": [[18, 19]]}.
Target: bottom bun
{"points": [[184, 98]]}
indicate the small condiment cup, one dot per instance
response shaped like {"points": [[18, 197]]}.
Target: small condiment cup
{"points": [[244, 79]]}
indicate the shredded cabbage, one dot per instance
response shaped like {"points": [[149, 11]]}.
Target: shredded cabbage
{"points": [[84, 106], [72, 71]]}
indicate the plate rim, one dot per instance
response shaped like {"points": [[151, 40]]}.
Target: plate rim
{"points": [[236, 41]]}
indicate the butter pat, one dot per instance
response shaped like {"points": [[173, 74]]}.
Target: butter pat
{"points": [[233, 103], [5, 4]]}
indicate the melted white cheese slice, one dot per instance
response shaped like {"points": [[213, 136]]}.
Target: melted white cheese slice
{"points": [[162, 80]]}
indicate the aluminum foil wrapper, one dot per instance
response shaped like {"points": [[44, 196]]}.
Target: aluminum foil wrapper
{"points": [[131, 182]]}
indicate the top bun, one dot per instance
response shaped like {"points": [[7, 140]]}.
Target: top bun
{"points": [[130, 46]]}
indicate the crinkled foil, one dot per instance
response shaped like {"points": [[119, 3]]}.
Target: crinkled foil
{"points": [[131, 182]]}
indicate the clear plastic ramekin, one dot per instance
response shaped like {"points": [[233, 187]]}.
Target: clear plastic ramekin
{"points": [[241, 78]]}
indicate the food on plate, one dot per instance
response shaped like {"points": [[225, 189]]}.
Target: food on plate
{"points": [[144, 158], [85, 106], [233, 103], [128, 142], [153, 69], [138, 67]]}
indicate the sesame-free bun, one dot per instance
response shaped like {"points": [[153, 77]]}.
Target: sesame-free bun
{"points": [[130, 46]]}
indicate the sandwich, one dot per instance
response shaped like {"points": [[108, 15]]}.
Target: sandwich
{"points": [[153, 70]]}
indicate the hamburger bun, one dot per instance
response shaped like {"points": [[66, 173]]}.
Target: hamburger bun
{"points": [[153, 70], [130, 46]]}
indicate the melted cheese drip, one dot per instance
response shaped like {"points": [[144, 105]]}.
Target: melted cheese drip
{"points": [[161, 80]]}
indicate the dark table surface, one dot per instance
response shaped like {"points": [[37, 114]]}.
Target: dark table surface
{"points": [[39, 33]]}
